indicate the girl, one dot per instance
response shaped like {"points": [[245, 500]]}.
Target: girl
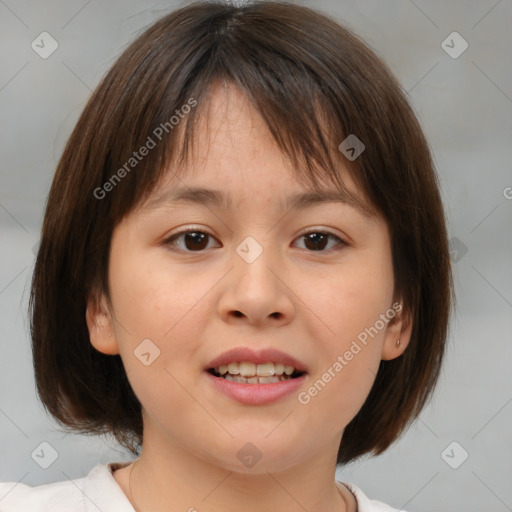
{"points": [[243, 272]]}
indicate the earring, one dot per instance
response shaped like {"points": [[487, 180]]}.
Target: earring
{"points": [[398, 342]]}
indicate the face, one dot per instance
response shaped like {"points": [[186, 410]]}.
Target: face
{"points": [[191, 280]]}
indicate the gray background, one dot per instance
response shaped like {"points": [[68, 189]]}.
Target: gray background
{"points": [[465, 107]]}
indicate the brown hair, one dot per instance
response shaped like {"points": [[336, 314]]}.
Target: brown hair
{"points": [[314, 83]]}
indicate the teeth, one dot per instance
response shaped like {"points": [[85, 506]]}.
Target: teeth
{"points": [[288, 370], [246, 369], [233, 368], [278, 369], [265, 370], [255, 380], [269, 380]]}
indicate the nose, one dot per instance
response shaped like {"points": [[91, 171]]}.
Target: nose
{"points": [[256, 292]]}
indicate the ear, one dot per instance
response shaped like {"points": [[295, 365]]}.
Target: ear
{"points": [[101, 325], [398, 328]]}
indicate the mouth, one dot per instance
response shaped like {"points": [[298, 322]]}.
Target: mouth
{"points": [[256, 377], [246, 372], [256, 383]]}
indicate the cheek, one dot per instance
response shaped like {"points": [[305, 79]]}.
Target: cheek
{"points": [[351, 307], [161, 316], [353, 296], [168, 305], [156, 299], [343, 378]]}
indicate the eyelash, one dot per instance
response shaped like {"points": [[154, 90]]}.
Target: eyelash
{"points": [[169, 241]]}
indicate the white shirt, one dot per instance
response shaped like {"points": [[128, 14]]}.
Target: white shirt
{"points": [[99, 491]]}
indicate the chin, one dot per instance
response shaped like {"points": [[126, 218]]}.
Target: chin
{"points": [[257, 454]]}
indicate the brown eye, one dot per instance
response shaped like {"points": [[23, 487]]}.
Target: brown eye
{"points": [[190, 241], [317, 240]]}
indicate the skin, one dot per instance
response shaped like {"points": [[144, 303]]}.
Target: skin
{"points": [[195, 305]]}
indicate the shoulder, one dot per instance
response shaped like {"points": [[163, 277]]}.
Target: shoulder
{"points": [[57, 496], [97, 490], [365, 504]]}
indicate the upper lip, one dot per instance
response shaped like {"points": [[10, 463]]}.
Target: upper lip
{"points": [[267, 355]]}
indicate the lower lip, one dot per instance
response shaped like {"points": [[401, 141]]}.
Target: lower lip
{"points": [[257, 394]]}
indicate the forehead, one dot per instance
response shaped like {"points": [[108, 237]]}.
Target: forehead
{"points": [[234, 155], [230, 127]]}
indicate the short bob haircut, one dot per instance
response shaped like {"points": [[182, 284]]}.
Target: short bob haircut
{"points": [[314, 83]]}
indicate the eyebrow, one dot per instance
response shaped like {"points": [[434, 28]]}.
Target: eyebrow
{"points": [[217, 198]]}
